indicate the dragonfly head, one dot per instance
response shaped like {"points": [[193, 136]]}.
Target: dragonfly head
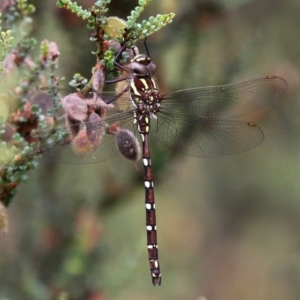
{"points": [[142, 65]]}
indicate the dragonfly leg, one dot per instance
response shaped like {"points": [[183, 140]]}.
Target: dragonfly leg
{"points": [[118, 95]]}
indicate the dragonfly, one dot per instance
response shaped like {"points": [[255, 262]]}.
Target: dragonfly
{"points": [[201, 122]]}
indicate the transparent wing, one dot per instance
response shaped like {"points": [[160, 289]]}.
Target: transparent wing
{"points": [[190, 121], [78, 151], [211, 137], [229, 101], [64, 153]]}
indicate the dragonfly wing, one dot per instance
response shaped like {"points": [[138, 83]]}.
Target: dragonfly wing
{"points": [[66, 153], [228, 101], [80, 148], [207, 137]]}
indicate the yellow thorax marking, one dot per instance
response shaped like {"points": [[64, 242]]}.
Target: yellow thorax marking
{"points": [[135, 90]]}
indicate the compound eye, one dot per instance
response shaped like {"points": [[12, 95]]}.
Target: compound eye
{"points": [[152, 68], [138, 69]]}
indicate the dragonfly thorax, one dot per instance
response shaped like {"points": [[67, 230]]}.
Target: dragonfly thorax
{"points": [[145, 95]]}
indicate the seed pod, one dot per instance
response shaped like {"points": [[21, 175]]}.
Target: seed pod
{"points": [[128, 144], [94, 129], [98, 78], [98, 102], [112, 27], [72, 125], [81, 144], [75, 107]]}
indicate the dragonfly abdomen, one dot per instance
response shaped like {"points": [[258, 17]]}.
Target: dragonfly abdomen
{"points": [[150, 213]]}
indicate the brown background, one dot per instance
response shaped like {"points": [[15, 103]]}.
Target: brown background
{"points": [[228, 227]]}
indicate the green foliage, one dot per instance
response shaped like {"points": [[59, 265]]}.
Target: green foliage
{"points": [[138, 31], [78, 11], [128, 32], [142, 30], [108, 59], [94, 17], [135, 14], [25, 8], [16, 161], [34, 126], [6, 42], [20, 116], [78, 81]]}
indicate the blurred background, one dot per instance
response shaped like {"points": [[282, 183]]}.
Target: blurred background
{"points": [[228, 227]]}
